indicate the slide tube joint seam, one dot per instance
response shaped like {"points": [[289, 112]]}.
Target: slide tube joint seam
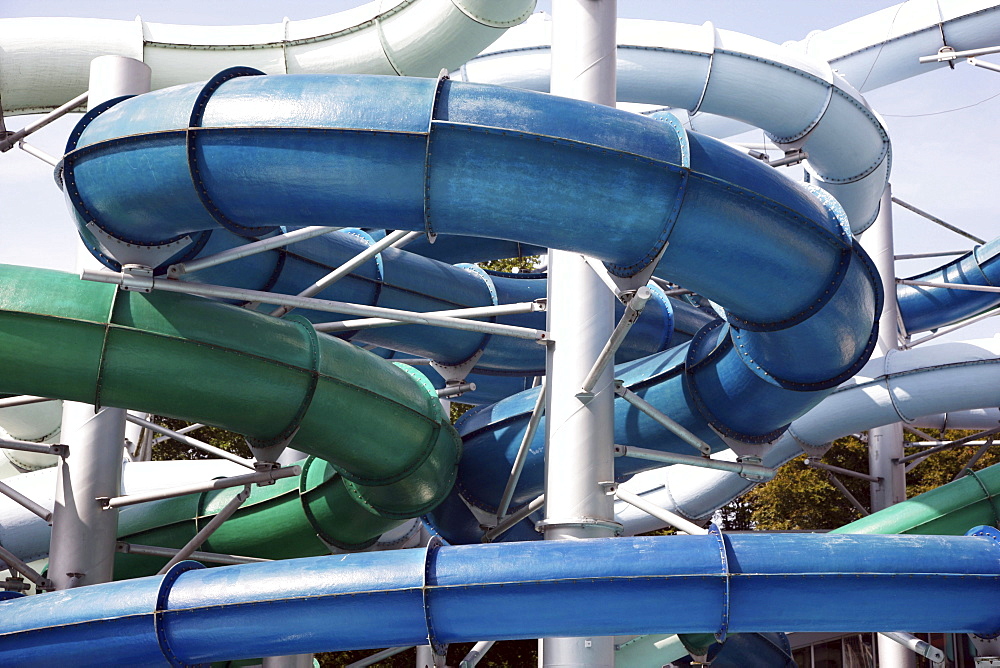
{"points": [[159, 614], [191, 135]]}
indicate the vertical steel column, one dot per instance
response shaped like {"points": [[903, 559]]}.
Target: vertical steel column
{"points": [[83, 533], [885, 444], [579, 436]]}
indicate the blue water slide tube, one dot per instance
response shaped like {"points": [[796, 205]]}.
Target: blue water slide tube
{"points": [[924, 308], [800, 295], [711, 584]]}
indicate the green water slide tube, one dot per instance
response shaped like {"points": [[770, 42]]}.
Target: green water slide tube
{"points": [[388, 451]]}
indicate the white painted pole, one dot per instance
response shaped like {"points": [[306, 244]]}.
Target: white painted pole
{"points": [[579, 437], [84, 533], [885, 444]]}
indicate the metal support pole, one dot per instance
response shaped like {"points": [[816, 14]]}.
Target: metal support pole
{"points": [[853, 500], [949, 286], [579, 436], [15, 562], [23, 400], [475, 312], [837, 469], [377, 656], [146, 284], [247, 250], [933, 219], [915, 645], [58, 449], [426, 658], [666, 422], [288, 661], [476, 654], [38, 153], [661, 514], [206, 531], [983, 449], [8, 142], [349, 266], [260, 478], [885, 444], [25, 502], [193, 442], [992, 67], [948, 330], [947, 446], [632, 312], [209, 557], [83, 535], [82, 549], [522, 455], [750, 471], [510, 520]]}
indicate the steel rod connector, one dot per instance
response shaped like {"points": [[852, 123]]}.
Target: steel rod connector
{"points": [[13, 138], [748, 470], [675, 428], [633, 309], [946, 53], [25, 502], [23, 400], [808, 461], [207, 531], [916, 645], [522, 454], [58, 449], [661, 514], [475, 312], [455, 390], [192, 442], [937, 221], [391, 239], [262, 477], [510, 520], [24, 569], [246, 250], [209, 557], [948, 446], [223, 292], [950, 286]]}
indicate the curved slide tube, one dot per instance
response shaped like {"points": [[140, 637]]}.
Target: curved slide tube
{"points": [[380, 426], [461, 593], [884, 47], [702, 69], [925, 308], [46, 61], [800, 283], [946, 378]]}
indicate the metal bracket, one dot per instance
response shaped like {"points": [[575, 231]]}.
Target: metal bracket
{"points": [[456, 373], [621, 286], [136, 254], [580, 522], [745, 451], [267, 456]]}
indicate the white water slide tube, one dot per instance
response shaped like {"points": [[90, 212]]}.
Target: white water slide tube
{"points": [[46, 61], [953, 385], [808, 104]]}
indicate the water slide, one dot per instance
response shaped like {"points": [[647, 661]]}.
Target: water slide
{"points": [[794, 209]]}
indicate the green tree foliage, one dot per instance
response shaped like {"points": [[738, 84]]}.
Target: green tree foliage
{"points": [[512, 265], [220, 438], [802, 498]]}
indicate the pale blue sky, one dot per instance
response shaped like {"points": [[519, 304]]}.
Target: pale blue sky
{"points": [[943, 162]]}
